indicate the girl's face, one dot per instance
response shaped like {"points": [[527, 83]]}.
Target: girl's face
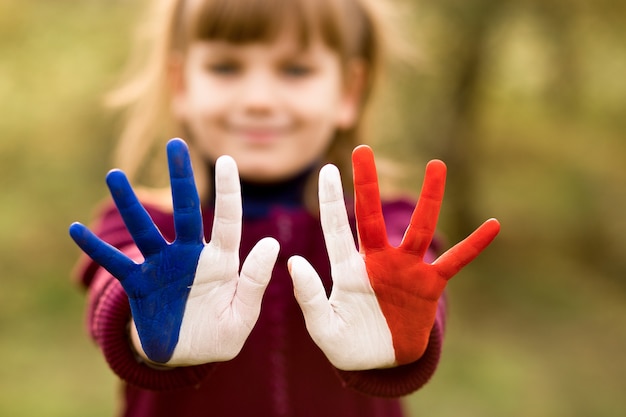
{"points": [[273, 107]]}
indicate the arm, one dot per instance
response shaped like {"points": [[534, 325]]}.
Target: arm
{"points": [[383, 308], [189, 303]]}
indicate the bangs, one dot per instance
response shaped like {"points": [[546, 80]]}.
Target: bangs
{"points": [[244, 21]]}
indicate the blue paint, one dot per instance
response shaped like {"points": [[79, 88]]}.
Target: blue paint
{"points": [[158, 288]]}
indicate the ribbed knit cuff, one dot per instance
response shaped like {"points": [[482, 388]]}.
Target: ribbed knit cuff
{"points": [[405, 379], [401, 380], [109, 327]]}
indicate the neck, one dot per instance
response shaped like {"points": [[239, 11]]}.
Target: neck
{"points": [[259, 198]]}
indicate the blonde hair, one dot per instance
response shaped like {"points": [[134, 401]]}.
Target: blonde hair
{"points": [[355, 29]]}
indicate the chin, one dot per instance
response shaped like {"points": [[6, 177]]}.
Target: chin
{"points": [[262, 174], [262, 169]]}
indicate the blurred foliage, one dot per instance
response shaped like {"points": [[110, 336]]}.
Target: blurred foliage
{"points": [[523, 99]]}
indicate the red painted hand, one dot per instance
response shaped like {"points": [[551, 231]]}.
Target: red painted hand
{"points": [[406, 287], [384, 299]]}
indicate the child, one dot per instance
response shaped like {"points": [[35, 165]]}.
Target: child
{"points": [[280, 87]]}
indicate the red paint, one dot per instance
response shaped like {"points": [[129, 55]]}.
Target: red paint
{"points": [[406, 287]]}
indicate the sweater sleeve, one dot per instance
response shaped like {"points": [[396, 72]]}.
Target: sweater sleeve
{"points": [[108, 318], [405, 379]]}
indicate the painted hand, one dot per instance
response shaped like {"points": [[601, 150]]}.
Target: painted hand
{"points": [[384, 299], [189, 303]]}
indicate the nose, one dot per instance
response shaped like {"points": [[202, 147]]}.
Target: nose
{"points": [[259, 94]]}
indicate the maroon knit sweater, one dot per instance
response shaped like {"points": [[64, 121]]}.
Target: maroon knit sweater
{"points": [[280, 371]]}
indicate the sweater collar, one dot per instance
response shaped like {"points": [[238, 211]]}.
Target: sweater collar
{"points": [[258, 199]]}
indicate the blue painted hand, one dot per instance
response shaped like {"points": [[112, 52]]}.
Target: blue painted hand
{"points": [[189, 302]]}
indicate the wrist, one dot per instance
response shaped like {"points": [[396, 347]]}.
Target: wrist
{"points": [[140, 354]]}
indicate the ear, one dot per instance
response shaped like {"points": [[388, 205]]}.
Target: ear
{"points": [[177, 85], [351, 100]]}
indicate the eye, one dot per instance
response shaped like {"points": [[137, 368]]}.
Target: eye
{"points": [[296, 70], [224, 68]]}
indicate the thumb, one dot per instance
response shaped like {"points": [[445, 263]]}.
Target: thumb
{"points": [[309, 293], [255, 275]]}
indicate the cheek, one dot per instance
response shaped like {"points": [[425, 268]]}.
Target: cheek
{"points": [[323, 104], [206, 97], [204, 105], [318, 107]]}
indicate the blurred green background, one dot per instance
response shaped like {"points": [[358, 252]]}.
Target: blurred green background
{"points": [[525, 101]]}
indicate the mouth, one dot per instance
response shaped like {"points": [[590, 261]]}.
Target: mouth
{"points": [[259, 134]]}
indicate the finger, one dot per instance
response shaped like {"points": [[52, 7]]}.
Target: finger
{"points": [[369, 214], [226, 232], [309, 293], [421, 230], [337, 233], [255, 275], [464, 252], [187, 215], [107, 256], [137, 220]]}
